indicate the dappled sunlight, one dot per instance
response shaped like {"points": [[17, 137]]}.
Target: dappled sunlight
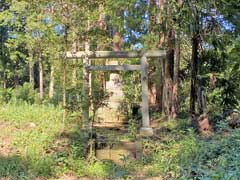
{"points": [[119, 90]]}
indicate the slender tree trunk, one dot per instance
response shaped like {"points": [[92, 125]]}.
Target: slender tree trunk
{"points": [[152, 24], [175, 80], [194, 65], [169, 68], [40, 68], [4, 80], [31, 70], [176, 69], [85, 89], [51, 83], [74, 73], [160, 86], [101, 44], [65, 20], [31, 73], [74, 61], [64, 100], [64, 77], [194, 72]]}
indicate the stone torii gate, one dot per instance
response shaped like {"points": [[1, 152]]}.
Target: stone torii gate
{"points": [[145, 130]]}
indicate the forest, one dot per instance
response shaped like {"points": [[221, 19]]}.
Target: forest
{"points": [[120, 89]]}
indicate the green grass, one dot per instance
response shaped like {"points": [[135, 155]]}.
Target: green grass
{"points": [[186, 155], [177, 152], [29, 144]]}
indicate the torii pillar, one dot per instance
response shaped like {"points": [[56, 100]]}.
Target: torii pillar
{"points": [[146, 129]]}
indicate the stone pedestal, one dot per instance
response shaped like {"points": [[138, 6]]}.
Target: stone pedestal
{"points": [[113, 115], [146, 131]]}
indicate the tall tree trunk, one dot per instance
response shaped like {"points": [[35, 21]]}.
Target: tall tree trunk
{"points": [[74, 73], [176, 69], [16, 80], [4, 80], [161, 63], [86, 84], [152, 24], [169, 67], [31, 70], [51, 83], [194, 72], [194, 67], [74, 61], [31, 73], [168, 83], [159, 87], [175, 80], [101, 44], [64, 77], [85, 89], [40, 69], [65, 20]]}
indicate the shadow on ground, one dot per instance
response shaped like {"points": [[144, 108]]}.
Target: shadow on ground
{"points": [[12, 168]]}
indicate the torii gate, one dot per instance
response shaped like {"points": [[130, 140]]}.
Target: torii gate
{"points": [[145, 130]]}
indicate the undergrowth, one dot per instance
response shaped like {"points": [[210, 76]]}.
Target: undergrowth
{"points": [[38, 149], [33, 129]]}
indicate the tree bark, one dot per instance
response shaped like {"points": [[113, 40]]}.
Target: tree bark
{"points": [[86, 84], [194, 65], [175, 81], [85, 89], [161, 63], [169, 68], [16, 80], [74, 71], [64, 99], [51, 83], [168, 83], [100, 46], [65, 10], [31, 70], [194, 72], [31, 73], [159, 87], [152, 24], [4, 80], [176, 69], [40, 68]]}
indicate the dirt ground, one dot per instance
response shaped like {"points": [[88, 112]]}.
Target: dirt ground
{"points": [[5, 140]]}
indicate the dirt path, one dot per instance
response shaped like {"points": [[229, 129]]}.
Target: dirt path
{"points": [[5, 140]]}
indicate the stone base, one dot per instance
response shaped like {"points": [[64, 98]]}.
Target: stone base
{"points": [[146, 131]]}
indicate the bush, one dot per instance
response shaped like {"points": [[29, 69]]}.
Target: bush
{"points": [[74, 99], [12, 168], [25, 93], [5, 95], [57, 97]]}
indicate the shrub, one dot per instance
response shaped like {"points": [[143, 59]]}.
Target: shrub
{"points": [[12, 168], [25, 93], [57, 97], [74, 99], [5, 95]]}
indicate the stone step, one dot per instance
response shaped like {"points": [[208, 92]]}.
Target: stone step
{"points": [[117, 126], [112, 122], [120, 150]]}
